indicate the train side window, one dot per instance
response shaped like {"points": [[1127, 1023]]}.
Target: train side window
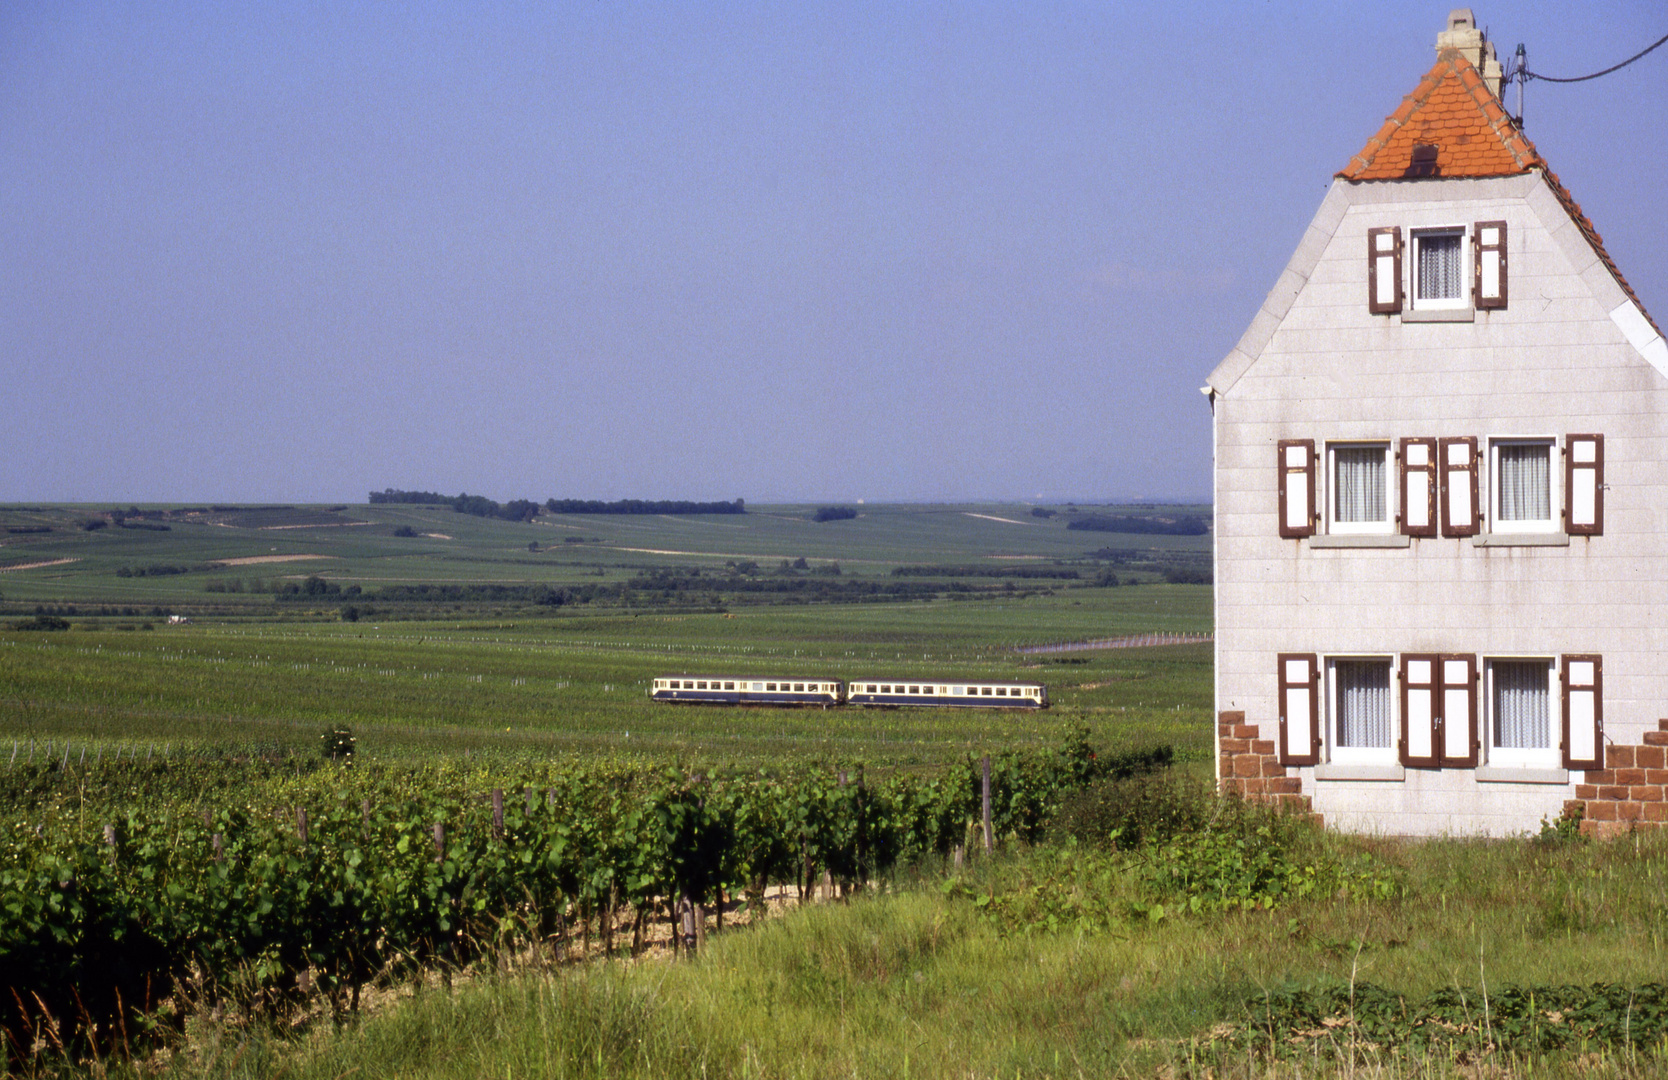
{"points": [[987, 691], [926, 689], [702, 685], [799, 687], [770, 686]]}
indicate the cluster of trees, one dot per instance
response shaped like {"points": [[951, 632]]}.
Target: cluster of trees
{"points": [[834, 513], [1054, 573], [1182, 525], [314, 587], [155, 570], [527, 510]]}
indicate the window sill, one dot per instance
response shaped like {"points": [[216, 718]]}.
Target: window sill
{"points": [[1360, 772], [1523, 539], [1361, 540], [1506, 774], [1440, 315]]}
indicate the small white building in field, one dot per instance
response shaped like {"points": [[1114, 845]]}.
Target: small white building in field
{"points": [[1441, 496]]}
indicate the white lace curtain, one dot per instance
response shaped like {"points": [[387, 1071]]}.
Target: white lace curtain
{"points": [[1521, 708], [1525, 491], [1360, 486], [1439, 268], [1363, 702]]}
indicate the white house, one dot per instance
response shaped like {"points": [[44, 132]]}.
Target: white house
{"points": [[1441, 498]]}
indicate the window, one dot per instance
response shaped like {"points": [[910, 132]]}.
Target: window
{"points": [[729, 685], [1440, 280], [1520, 713], [1361, 720], [1521, 488], [1358, 498]]}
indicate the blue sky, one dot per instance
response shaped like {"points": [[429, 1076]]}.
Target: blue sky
{"points": [[297, 252]]}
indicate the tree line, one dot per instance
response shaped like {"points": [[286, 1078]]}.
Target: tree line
{"points": [[527, 509]]}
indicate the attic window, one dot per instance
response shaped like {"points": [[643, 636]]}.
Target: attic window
{"points": [[1439, 278], [1424, 161]]}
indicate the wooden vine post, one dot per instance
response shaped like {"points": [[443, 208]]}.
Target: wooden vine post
{"points": [[498, 813], [984, 810]]}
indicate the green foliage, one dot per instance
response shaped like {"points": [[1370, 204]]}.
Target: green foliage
{"points": [[42, 622], [350, 874], [1150, 847], [1178, 525], [338, 745], [1565, 828], [1361, 1018], [834, 513], [1127, 812]]}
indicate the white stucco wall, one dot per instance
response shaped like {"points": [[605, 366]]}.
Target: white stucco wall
{"points": [[1316, 365]]}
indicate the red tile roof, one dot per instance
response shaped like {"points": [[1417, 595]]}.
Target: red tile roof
{"points": [[1453, 111]]}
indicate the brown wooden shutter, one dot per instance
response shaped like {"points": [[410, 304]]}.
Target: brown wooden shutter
{"points": [[1419, 487], [1384, 270], [1299, 709], [1419, 747], [1583, 732], [1297, 488], [1488, 264], [1457, 464], [1584, 485], [1458, 726]]}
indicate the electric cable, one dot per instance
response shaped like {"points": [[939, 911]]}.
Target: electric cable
{"points": [[1583, 78]]}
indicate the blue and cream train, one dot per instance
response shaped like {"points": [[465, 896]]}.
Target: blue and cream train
{"points": [[874, 693]]}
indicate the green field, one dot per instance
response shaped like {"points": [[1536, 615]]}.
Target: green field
{"points": [[473, 671]]}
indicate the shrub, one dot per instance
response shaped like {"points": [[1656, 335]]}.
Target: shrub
{"points": [[42, 622], [1126, 812], [338, 745]]}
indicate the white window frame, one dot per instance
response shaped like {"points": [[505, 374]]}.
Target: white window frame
{"points": [[1416, 238], [1391, 486], [1359, 755], [1554, 486], [1549, 756]]}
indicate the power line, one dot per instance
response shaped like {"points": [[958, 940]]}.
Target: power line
{"points": [[1583, 78]]}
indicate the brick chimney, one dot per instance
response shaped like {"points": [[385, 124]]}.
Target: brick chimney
{"points": [[1463, 36]]}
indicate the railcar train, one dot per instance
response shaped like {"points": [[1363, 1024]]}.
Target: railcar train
{"points": [[826, 692]]}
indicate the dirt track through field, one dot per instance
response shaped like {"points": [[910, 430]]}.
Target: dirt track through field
{"points": [[993, 517], [251, 560], [36, 565]]}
